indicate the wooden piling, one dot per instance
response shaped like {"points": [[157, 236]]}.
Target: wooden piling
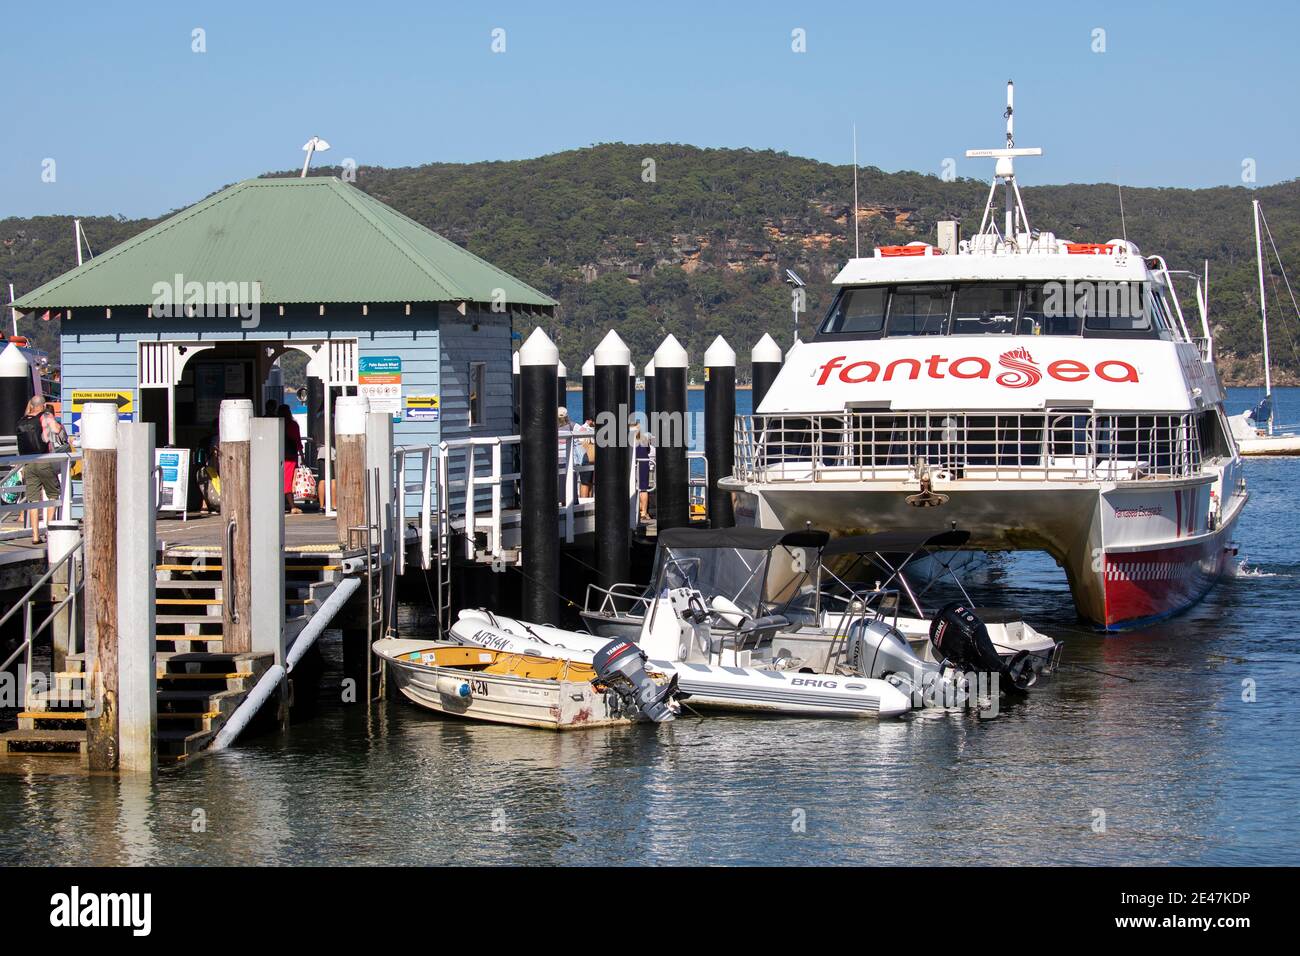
{"points": [[350, 425], [99, 493], [236, 426], [561, 386]]}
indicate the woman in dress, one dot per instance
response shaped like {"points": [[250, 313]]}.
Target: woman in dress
{"points": [[292, 449]]}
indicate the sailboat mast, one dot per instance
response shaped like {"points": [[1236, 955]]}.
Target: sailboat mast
{"points": [[1263, 313]]}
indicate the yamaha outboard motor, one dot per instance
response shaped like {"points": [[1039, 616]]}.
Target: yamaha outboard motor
{"points": [[960, 638], [620, 665]]}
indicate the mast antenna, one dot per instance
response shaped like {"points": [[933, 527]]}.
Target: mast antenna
{"points": [[1005, 172], [1123, 223], [857, 253]]}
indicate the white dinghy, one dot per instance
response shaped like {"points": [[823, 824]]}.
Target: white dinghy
{"points": [[725, 657], [607, 686]]}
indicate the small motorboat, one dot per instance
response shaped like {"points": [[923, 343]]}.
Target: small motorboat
{"points": [[811, 585], [608, 686], [698, 630]]}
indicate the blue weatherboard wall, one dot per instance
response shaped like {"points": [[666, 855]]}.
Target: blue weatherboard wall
{"points": [[435, 345]]}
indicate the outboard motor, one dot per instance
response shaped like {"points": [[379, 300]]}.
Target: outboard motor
{"points": [[876, 649], [620, 665], [960, 637]]}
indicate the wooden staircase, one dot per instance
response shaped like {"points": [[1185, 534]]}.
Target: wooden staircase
{"points": [[199, 685]]}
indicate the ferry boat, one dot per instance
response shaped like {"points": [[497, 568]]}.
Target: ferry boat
{"points": [[1042, 393]]}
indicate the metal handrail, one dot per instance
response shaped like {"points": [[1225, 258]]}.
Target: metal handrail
{"points": [[634, 594], [227, 569], [75, 587], [66, 498]]}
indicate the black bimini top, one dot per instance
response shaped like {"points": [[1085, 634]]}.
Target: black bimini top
{"points": [[747, 539], [896, 542]]}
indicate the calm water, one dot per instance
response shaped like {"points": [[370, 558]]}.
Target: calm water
{"points": [[1183, 769]]}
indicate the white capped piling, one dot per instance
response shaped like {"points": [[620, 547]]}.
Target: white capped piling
{"points": [[379, 459], [613, 496], [672, 479], [236, 434], [719, 427], [539, 489], [589, 390], [99, 494], [561, 386], [765, 365], [350, 429], [137, 701], [15, 387], [631, 391], [266, 551], [514, 390], [649, 376]]}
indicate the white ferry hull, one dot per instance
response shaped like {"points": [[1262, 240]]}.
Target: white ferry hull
{"points": [[1132, 552]]}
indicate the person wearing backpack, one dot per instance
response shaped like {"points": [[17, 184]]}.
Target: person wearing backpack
{"points": [[39, 432]]}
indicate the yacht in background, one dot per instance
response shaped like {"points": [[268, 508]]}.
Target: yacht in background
{"points": [[1254, 429]]}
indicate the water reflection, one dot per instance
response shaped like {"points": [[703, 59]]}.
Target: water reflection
{"points": [[1150, 729]]}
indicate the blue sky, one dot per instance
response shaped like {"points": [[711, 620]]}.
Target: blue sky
{"points": [[138, 124]]}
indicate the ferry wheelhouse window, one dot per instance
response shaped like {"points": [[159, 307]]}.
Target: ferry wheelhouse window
{"points": [[919, 310], [1095, 309], [858, 312], [1111, 307], [983, 308]]}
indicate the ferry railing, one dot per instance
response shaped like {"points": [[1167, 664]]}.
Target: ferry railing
{"points": [[10, 465], [1056, 445]]}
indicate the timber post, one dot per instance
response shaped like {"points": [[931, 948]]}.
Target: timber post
{"points": [[236, 426], [99, 493], [137, 495]]}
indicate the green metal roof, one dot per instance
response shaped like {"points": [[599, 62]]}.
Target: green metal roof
{"points": [[313, 240]]}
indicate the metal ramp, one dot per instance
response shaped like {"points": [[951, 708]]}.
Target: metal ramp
{"points": [[458, 503]]}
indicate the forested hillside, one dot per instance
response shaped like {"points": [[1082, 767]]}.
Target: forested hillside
{"points": [[697, 242]]}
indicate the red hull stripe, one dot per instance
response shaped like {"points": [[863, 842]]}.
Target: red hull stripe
{"points": [[1156, 583]]}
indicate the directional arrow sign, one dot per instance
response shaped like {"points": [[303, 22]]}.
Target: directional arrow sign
{"points": [[122, 399]]}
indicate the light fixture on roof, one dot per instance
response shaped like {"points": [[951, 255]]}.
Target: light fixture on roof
{"points": [[313, 145]]}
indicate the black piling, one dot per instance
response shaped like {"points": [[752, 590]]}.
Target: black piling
{"points": [[561, 386], [631, 391], [514, 392], [15, 387], [589, 390], [613, 464], [765, 365], [672, 488], [539, 492], [719, 427], [650, 394]]}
